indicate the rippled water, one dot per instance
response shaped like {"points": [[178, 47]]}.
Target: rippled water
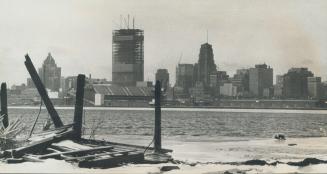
{"points": [[192, 122]]}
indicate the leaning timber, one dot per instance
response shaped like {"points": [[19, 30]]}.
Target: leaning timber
{"points": [[42, 91], [65, 142]]}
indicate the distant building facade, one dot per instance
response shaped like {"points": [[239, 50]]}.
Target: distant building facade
{"points": [[163, 76], [184, 77], [127, 56], [315, 87], [260, 77], [50, 74], [241, 81], [296, 83], [228, 89], [279, 87]]}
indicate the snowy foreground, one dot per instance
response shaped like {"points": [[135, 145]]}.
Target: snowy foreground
{"points": [[209, 155]]}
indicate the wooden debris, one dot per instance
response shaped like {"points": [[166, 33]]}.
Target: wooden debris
{"points": [[76, 152]]}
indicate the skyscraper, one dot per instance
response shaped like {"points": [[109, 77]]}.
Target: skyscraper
{"points": [[260, 78], [206, 64], [127, 56], [50, 74], [184, 77], [296, 83], [163, 76]]}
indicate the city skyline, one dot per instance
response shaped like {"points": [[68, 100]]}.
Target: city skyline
{"points": [[250, 30]]}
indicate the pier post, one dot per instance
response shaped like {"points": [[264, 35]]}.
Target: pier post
{"points": [[4, 107], [43, 93], [157, 120], [78, 113]]}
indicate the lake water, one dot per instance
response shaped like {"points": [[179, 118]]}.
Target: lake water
{"points": [[189, 122]]}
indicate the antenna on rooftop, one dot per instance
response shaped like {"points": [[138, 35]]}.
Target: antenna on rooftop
{"points": [[133, 22], [128, 21], [207, 37]]}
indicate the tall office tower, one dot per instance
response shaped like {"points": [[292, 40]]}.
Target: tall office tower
{"points": [[296, 83], [260, 78], [127, 56], [206, 65], [163, 76], [184, 76], [50, 74]]}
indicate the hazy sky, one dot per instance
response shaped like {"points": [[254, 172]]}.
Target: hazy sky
{"points": [[281, 33]]}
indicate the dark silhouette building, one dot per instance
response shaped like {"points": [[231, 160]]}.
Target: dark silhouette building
{"points": [[206, 65], [127, 56], [163, 76], [50, 74], [296, 83], [184, 77]]}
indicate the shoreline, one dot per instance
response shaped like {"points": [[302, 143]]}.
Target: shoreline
{"points": [[214, 109]]}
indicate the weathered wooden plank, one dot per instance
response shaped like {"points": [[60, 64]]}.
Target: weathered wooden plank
{"points": [[102, 142], [78, 113], [112, 161], [87, 157], [43, 93], [40, 145], [76, 152]]}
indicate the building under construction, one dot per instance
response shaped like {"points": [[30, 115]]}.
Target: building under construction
{"points": [[127, 56]]}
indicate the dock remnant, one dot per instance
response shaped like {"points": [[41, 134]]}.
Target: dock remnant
{"points": [[157, 120], [78, 113], [4, 107], [43, 93], [65, 141]]}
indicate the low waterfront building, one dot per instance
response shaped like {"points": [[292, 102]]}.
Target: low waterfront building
{"points": [[113, 95]]}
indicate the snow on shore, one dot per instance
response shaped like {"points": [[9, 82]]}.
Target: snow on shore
{"points": [[209, 156]]}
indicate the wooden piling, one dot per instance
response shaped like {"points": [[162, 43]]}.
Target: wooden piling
{"points": [[157, 127], [4, 107], [43, 93], [78, 113]]}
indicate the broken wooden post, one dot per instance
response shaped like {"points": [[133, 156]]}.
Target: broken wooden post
{"points": [[78, 114], [43, 93], [157, 120], [4, 107]]}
